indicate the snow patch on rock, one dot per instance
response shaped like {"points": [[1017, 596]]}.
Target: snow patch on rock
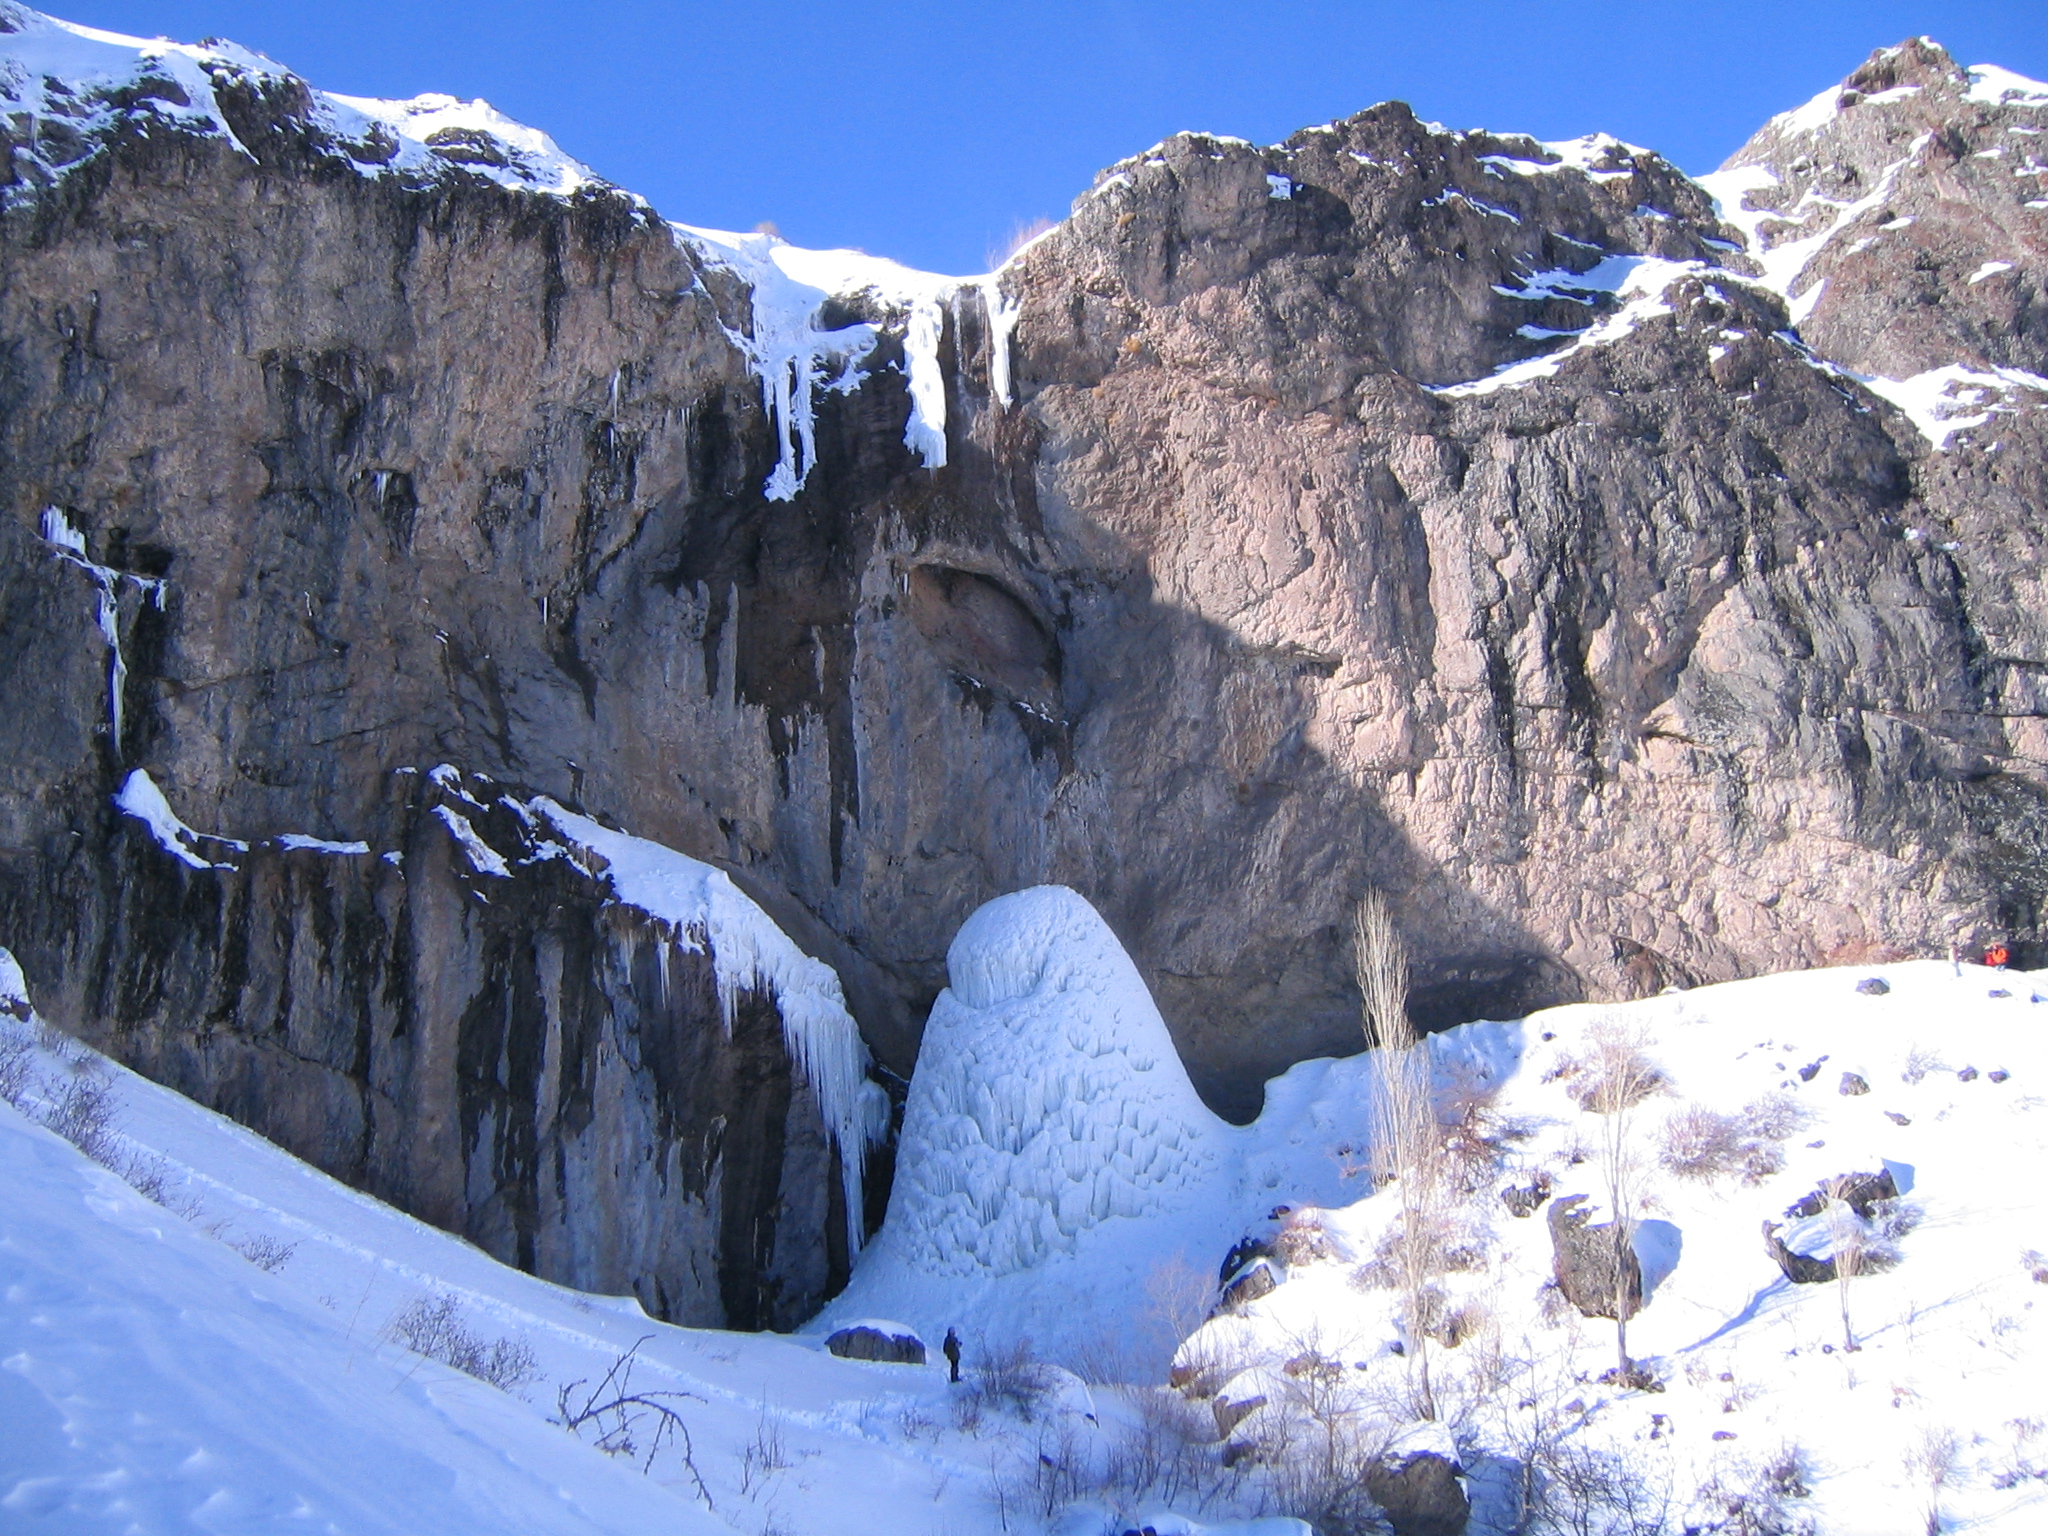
{"points": [[140, 798], [1997, 87], [1944, 401], [1641, 282], [698, 906]]}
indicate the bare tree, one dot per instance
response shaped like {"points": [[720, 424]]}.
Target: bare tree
{"points": [[1409, 1143], [1619, 1077]]}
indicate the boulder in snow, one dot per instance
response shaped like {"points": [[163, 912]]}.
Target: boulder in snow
{"points": [[1417, 1484], [1255, 1280], [1584, 1259], [889, 1343], [1526, 1198]]}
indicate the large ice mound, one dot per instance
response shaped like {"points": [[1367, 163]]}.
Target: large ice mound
{"points": [[1051, 1138], [1048, 1097]]}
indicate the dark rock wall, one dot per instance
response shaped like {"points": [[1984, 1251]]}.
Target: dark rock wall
{"points": [[1658, 670]]}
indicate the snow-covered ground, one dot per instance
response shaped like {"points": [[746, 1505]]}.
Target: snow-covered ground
{"points": [[230, 1355], [225, 1355]]}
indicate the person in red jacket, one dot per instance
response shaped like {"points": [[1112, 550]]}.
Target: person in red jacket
{"points": [[1997, 956]]}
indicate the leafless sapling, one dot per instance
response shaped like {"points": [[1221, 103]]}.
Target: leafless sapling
{"points": [[1409, 1149]]}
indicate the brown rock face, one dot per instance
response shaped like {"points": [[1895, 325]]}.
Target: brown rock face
{"points": [[1681, 656]]}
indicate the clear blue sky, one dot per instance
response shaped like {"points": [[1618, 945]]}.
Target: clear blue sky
{"points": [[929, 131]]}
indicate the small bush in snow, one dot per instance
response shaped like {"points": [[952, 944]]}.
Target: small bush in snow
{"points": [[1007, 1378], [17, 1071], [1704, 1145], [1168, 1454], [269, 1254], [81, 1110], [434, 1326], [1757, 1498]]}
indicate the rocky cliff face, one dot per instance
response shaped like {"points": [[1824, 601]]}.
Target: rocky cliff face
{"points": [[1590, 565]]}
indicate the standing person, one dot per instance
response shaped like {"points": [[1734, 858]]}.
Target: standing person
{"points": [[952, 1352]]}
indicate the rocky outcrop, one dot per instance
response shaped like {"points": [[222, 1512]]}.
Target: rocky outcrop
{"points": [[483, 1026], [1443, 513]]}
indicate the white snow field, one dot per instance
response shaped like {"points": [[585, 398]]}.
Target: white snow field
{"points": [[1029, 1199], [229, 1355]]}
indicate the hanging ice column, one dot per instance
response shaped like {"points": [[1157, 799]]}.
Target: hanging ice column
{"points": [[925, 434], [69, 542], [1002, 324]]}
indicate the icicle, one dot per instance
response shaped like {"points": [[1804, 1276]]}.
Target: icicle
{"points": [[1002, 323], [925, 433], [69, 543]]}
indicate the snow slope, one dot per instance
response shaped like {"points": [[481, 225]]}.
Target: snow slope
{"points": [[1752, 1369], [222, 1359], [1025, 1203], [226, 1360]]}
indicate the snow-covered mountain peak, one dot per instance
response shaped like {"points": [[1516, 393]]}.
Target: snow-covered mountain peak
{"points": [[75, 89], [1899, 213]]}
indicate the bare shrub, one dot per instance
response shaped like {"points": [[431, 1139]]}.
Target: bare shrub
{"points": [[1703, 1145], [1935, 1458], [17, 1071], [1057, 1471], [1179, 1296], [1169, 1454], [270, 1254], [1919, 1062], [623, 1420], [1579, 1490], [766, 1456], [1303, 1239], [81, 1108], [1757, 1498], [434, 1326], [1315, 1447], [1007, 1378], [149, 1176]]}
